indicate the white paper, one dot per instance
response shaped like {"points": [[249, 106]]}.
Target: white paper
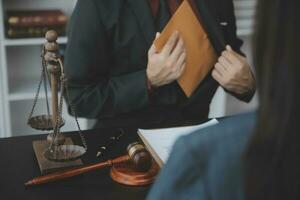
{"points": [[162, 140]]}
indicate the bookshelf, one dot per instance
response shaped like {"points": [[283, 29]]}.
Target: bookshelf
{"points": [[20, 67]]}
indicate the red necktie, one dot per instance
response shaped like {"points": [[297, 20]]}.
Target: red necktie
{"points": [[154, 7], [173, 5]]}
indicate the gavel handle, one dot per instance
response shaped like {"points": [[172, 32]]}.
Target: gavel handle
{"points": [[74, 172]]}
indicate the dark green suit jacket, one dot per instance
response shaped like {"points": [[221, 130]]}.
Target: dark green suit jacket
{"points": [[106, 61]]}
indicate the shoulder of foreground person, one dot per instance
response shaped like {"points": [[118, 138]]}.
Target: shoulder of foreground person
{"points": [[207, 164]]}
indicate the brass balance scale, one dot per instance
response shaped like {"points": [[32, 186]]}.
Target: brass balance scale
{"points": [[57, 151]]}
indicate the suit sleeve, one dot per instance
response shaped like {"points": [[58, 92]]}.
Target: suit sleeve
{"points": [[230, 32], [93, 91], [181, 178]]}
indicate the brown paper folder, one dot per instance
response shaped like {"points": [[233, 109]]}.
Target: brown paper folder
{"points": [[201, 55]]}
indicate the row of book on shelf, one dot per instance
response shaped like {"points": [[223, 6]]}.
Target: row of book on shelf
{"points": [[34, 23]]}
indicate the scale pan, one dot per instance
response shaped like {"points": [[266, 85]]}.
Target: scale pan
{"points": [[42, 122], [63, 153]]}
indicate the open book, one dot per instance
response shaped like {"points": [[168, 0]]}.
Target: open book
{"points": [[159, 142]]}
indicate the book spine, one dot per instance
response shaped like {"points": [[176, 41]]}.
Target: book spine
{"points": [[36, 20], [33, 32]]}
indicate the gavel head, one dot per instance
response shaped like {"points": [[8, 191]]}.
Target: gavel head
{"points": [[140, 157]]}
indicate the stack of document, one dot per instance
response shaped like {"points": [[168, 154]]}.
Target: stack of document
{"points": [[159, 142]]}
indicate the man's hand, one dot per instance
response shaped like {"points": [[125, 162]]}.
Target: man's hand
{"points": [[168, 65], [233, 72]]}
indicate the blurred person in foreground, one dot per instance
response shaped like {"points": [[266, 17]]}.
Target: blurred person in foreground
{"points": [[251, 156]]}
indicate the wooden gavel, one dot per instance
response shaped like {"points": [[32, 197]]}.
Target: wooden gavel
{"points": [[137, 154]]}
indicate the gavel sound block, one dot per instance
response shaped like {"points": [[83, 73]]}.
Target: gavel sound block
{"points": [[142, 169], [135, 169]]}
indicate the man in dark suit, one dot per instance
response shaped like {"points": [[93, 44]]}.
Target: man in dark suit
{"points": [[212, 166], [115, 78]]}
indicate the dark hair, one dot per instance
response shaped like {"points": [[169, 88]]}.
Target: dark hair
{"points": [[272, 166]]}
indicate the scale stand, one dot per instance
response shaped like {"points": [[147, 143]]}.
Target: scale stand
{"points": [[56, 152], [48, 166]]}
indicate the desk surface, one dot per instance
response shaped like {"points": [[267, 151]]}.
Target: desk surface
{"points": [[18, 165]]}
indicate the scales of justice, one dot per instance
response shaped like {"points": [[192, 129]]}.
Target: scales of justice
{"points": [[58, 153]]}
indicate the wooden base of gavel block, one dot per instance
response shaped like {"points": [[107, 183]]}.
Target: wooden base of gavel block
{"points": [[126, 174], [47, 166]]}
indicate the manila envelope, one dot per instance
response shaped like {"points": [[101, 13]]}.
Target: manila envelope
{"points": [[201, 56]]}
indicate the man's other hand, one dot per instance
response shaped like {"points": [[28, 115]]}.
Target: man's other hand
{"points": [[233, 72], [168, 65]]}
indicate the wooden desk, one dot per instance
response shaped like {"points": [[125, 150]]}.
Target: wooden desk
{"points": [[18, 164]]}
